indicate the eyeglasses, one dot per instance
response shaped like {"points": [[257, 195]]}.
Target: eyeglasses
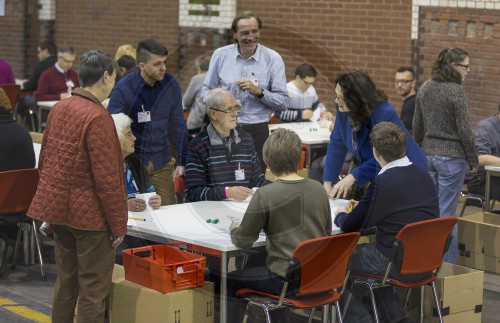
{"points": [[307, 83], [465, 67], [231, 110], [402, 81], [246, 33], [339, 99], [67, 61]]}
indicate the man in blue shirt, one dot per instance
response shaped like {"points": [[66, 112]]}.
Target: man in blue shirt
{"points": [[254, 74], [153, 100]]}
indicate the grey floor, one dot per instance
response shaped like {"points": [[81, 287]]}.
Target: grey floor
{"points": [[23, 294]]}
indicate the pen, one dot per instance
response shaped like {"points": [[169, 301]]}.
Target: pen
{"points": [[351, 205], [134, 218]]}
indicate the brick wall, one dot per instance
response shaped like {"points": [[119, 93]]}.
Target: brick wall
{"points": [[334, 36], [478, 32]]}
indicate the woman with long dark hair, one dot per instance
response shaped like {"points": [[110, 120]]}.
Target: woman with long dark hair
{"points": [[361, 105]]}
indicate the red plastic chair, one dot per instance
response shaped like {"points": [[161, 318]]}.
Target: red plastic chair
{"points": [[419, 248], [318, 267], [179, 189], [12, 91], [16, 192]]}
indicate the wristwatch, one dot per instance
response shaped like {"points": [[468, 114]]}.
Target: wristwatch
{"points": [[260, 96]]}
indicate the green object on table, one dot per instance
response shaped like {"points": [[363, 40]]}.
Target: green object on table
{"points": [[209, 221]]}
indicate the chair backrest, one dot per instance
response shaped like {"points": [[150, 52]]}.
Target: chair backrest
{"points": [[321, 264], [421, 245], [17, 190], [12, 91], [179, 189]]}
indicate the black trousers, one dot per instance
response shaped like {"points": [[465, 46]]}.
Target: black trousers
{"points": [[259, 133]]}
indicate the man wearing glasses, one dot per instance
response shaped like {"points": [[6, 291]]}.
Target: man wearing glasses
{"points": [[254, 74], [57, 82], [405, 86], [221, 161], [303, 97]]}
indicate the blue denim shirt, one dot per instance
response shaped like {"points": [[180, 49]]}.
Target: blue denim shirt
{"points": [[167, 125], [265, 65]]}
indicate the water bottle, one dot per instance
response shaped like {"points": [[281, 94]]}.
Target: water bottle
{"points": [[322, 112]]}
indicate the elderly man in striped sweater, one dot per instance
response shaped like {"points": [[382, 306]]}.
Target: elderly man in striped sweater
{"points": [[221, 161]]}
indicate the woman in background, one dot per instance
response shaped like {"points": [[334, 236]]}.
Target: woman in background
{"points": [[441, 126]]}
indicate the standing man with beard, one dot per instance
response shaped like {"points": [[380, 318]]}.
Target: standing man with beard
{"points": [[254, 74], [405, 86], [152, 99]]}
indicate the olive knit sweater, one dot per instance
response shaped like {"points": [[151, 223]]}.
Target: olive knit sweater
{"points": [[441, 124]]}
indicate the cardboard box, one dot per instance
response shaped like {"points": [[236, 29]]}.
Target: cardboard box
{"points": [[462, 317], [460, 292], [471, 259], [480, 233], [130, 302], [491, 264]]}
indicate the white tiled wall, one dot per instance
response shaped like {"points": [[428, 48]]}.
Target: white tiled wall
{"points": [[484, 4], [226, 8]]}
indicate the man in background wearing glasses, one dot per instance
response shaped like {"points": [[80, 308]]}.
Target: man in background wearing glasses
{"points": [[254, 74], [405, 86], [57, 82], [221, 161]]}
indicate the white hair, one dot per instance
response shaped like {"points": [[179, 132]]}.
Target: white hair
{"points": [[122, 121]]}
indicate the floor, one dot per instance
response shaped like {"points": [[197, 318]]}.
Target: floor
{"points": [[24, 297]]}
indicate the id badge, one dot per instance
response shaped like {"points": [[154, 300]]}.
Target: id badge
{"points": [[70, 84], [144, 116], [240, 174]]}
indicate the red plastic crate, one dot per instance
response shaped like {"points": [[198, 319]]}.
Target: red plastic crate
{"points": [[164, 268]]}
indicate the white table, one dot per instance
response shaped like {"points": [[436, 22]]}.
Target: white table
{"points": [[313, 134], [187, 223], [490, 171], [43, 106], [36, 148]]}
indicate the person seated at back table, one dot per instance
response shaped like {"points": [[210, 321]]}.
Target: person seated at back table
{"points": [[291, 210], [221, 161], [136, 181], [303, 97], [400, 194], [57, 82], [487, 141]]}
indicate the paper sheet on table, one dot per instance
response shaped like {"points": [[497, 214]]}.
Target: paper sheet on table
{"points": [[148, 214]]}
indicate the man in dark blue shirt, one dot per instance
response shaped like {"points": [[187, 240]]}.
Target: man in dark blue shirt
{"points": [[152, 98], [402, 193]]}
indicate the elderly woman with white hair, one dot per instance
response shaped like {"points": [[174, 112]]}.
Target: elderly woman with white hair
{"points": [[136, 181], [136, 176]]}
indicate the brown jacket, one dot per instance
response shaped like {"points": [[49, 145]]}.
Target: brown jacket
{"points": [[81, 168]]}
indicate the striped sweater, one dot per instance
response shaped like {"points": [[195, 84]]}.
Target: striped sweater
{"points": [[212, 165]]}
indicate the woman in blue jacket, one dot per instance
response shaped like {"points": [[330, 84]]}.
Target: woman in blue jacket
{"points": [[360, 107]]}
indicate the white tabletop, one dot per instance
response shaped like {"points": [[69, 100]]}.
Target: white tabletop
{"points": [[492, 168], [36, 148], [309, 132], [188, 223], [47, 104]]}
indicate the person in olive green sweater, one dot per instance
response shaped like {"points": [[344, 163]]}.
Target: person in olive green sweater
{"points": [[291, 210]]}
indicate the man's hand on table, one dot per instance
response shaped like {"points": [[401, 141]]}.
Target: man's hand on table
{"points": [[239, 193]]}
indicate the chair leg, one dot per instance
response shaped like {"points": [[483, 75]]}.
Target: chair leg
{"points": [[407, 298], [247, 309], [349, 296], [463, 209], [421, 314], [37, 240], [16, 247], [268, 317], [311, 315], [339, 316], [374, 305], [436, 300]]}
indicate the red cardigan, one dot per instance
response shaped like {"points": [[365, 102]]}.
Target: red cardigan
{"points": [[52, 83], [81, 168]]}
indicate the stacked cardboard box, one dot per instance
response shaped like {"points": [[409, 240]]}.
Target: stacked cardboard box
{"points": [[130, 302], [479, 241], [460, 293]]}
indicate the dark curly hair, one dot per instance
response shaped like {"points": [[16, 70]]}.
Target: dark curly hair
{"points": [[360, 95]]}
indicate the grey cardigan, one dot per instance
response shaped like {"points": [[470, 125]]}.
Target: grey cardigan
{"points": [[441, 123]]}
